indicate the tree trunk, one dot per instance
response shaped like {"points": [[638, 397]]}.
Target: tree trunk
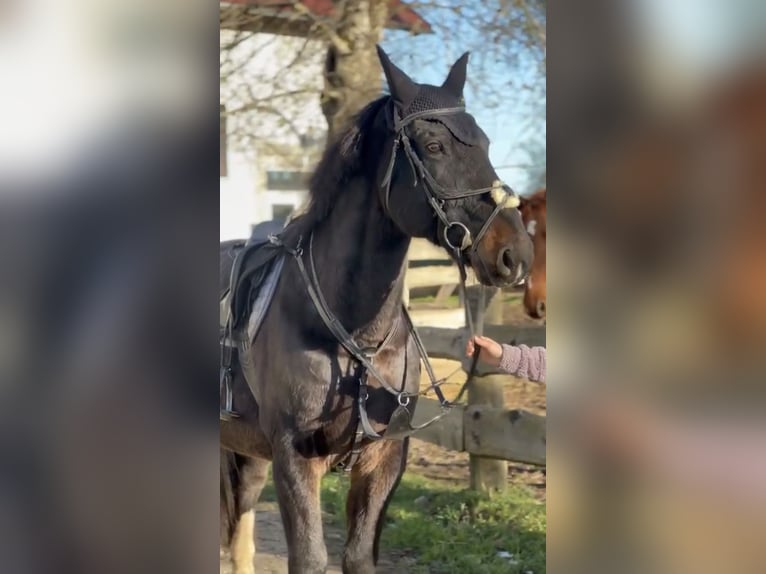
{"points": [[352, 75]]}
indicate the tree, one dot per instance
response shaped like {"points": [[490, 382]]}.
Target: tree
{"points": [[351, 73], [506, 38]]}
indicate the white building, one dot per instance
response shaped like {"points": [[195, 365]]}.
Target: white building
{"points": [[268, 152]]}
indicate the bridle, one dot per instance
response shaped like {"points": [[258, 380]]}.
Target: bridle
{"points": [[400, 425], [437, 194]]}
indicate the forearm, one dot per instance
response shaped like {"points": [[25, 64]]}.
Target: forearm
{"points": [[523, 361]]}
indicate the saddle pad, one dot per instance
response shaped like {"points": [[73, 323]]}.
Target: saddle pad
{"points": [[246, 274], [263, 298]]}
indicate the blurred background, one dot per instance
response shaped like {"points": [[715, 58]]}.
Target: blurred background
{"points": [[656, 434], [108, 262]]}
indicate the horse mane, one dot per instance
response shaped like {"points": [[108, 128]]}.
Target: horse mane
{"points": [[341, 161]]}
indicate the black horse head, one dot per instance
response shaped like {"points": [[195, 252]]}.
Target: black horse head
{"points": [[428, 161], [438, 182]]}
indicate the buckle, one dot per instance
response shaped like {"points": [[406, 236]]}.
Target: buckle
{"points": [[369, 352]]}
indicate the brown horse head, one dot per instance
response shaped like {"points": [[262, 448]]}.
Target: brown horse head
{"points": [[533, 215]]}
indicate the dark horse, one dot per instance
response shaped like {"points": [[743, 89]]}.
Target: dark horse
{"points": [[299, 406]]}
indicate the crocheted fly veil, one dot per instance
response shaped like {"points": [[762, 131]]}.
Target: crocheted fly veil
{"points": [[417, 100], [443, 104], [461, 124]]}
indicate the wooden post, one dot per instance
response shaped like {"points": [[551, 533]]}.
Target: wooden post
{"points": [[479, 326], [487, 475], [444, 293], [494, 313]]}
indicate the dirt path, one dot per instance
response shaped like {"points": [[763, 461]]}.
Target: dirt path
{"points": [[272, 548]]}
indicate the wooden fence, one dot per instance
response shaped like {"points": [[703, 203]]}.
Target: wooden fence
{"points": [[429, 267], [491, 433]]}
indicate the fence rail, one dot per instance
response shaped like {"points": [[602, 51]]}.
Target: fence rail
{"points": [[486, 431], [430, 266], [443, 343]]}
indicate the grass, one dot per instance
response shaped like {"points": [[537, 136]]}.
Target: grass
{"points": [[452, 530]]}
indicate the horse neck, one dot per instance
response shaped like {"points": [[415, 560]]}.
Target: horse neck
{"points": [[360, 262]]}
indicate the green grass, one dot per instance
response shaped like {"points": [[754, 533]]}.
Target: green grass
{"points": [[454, 530], [461, 531]]}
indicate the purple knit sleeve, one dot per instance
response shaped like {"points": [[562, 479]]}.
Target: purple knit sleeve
{"points": [[523, 361]]}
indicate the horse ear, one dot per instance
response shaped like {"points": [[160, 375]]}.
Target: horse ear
{"points": [[455, 81], [402, 88]]}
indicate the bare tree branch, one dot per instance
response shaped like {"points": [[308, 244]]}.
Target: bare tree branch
{"points": [[272, 58]]}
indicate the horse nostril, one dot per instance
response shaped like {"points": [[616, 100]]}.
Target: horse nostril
{"points": [[541, 309], [504, 262]]}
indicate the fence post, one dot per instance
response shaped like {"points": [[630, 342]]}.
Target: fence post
{"points": [[495, 309], [487, 474], [479, 326]]}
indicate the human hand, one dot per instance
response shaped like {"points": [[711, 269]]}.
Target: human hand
{"points": [[491, 351]]}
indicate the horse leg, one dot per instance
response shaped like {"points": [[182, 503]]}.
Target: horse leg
{"points": [[297, 481], [373, 481], [240, 492]]}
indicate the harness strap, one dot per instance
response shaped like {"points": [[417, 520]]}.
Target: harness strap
{"points": [[400, 123], [349, 461], [225, 380], [364, 420], [498, 208], [424, 356], [332, 323], [434, 185]]}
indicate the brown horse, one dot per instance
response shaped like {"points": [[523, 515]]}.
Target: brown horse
{"points": [[533, 215], [414, 164]]}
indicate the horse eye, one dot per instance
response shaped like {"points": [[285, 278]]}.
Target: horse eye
{"points": [[434, 147]]}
